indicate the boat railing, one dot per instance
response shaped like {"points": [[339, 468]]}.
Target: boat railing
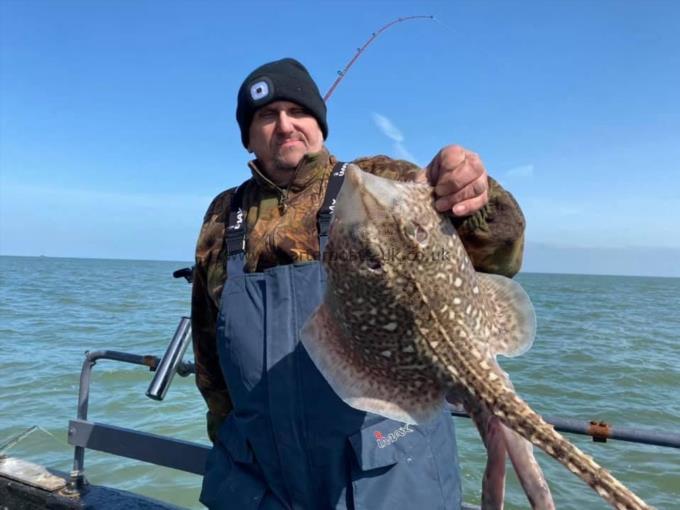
{"points": [[130, 443], [190, 457]]}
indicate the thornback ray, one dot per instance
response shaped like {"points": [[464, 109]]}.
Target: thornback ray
{"points": [[405, 309]]}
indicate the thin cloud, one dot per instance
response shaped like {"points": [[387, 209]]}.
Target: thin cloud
{"points": [[387, 128], [403, 153]]}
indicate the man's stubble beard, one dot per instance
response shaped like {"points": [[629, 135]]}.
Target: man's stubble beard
{"points": [[281, 172]]}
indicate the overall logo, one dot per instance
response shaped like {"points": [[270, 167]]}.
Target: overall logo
{"points": [[239, 220], [392, 437], [341, 172]]}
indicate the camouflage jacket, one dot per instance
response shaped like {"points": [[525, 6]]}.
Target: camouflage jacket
{"points": [[282, 228]]}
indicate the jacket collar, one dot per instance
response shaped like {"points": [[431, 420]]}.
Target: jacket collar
{"points": [[312, 167]]}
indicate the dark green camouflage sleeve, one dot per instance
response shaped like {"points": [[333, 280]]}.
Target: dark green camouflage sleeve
{"points": [[494, 235], [208, 281]]}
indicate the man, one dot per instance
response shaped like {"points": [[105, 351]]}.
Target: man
{"points": [[282, 438]]}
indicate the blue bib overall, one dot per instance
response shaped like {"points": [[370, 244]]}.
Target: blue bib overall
{"points": [[290, 442]]}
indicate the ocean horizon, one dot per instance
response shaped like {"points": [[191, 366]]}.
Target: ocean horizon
{"points": [[182, 264]]}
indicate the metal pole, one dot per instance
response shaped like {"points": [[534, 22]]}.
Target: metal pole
{"points": [[77, 479], [167, 367], [601, 431]]}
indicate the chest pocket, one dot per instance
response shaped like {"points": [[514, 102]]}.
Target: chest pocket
{"points": [[241, 326], [395, 462]]}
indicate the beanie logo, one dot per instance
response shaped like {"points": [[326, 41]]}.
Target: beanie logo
{"points": [[259, 90]]}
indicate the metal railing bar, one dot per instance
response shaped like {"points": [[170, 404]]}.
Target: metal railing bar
{"points": [[138, 445]]}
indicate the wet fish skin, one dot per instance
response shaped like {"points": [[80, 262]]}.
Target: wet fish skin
{"points": [[406, 320]]}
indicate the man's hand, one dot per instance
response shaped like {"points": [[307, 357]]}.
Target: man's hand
{"points": [[460, 181]]}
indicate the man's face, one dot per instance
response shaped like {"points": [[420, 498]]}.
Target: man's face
{"points": [[281, 133]]}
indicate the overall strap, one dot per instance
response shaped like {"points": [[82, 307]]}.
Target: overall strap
{"points": [[326, 212], [235, 240]]}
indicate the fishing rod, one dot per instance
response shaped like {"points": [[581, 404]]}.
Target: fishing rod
{"points": [[374, 36]]}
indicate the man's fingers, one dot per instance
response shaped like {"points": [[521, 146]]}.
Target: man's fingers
{"points": [[451, 156], [446, 159], [460, 181], [475, 189], [455, 179], [470, 206], [480, 185], [464, 208]]}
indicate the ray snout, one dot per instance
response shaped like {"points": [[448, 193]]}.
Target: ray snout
{"points": [[349, 208], [364, 195], [353, 176]]}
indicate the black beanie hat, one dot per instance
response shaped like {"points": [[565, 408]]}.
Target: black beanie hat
{"points": [[281, 80]]}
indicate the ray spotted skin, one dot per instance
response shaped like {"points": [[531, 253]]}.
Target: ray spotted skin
{"points": [[406, 320]]}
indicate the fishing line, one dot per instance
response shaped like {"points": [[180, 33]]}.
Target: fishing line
{"points": [[12, 441], [15, 439]]}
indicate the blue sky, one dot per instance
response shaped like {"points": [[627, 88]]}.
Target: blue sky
{"points": [[117, 121]]}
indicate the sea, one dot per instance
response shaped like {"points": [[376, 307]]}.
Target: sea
{"points": [[607, 348]]}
